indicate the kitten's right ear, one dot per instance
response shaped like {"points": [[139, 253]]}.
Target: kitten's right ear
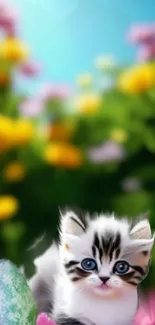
{"points": [[73, 223]]}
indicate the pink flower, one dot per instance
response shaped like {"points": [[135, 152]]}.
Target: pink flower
{"points": [[146, 312], [8, 18], [142, 34], [43, 319], [51, 91], [146, 53], [107, 152], [31, 107], [30, 69]]}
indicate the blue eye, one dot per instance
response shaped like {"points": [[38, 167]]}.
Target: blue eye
{"points": [[121, 267], [89, 264]]}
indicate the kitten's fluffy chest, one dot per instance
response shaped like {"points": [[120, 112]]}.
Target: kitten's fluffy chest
{"points": [[89, 310], [101, 312]]}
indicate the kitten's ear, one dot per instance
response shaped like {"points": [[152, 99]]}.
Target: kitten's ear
{"points": [[141, 230], [142, 239], [73, 222]]}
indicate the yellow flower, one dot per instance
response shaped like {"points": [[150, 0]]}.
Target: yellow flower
{"points": [[23, 132], [137, 79], [14, 133], [14, 171], [6, 129], [119, 135], [8, 206], [63, 155], [60, 131], [85, 80], [88, 103], [13, 50]]}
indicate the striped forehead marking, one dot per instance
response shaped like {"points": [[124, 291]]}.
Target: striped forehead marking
{"points": [[108, 246]]}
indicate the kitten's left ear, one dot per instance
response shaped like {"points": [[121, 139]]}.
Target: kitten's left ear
{"points": [[73, 223], [141, 230], [141, 236]]}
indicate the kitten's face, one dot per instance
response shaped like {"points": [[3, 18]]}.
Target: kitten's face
{"points": [[104, 257]]}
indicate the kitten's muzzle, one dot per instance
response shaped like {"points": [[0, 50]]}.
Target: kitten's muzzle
{"points": [[104, 279]]}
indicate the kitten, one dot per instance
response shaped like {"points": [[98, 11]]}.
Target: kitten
{"points": [[92, 277]]}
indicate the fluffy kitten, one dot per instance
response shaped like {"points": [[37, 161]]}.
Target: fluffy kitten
{"points": [[92, 277]]}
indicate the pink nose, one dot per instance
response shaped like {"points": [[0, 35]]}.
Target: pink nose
{"points": [[104, 279]]}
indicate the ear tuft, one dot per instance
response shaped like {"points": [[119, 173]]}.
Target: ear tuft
{"points": [[141, 230], [73, 223]]}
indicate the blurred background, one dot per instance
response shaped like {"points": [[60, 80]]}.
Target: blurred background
{"points": [[77, 116]]}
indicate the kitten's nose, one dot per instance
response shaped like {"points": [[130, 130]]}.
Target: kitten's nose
{"points": [[104, 279]]}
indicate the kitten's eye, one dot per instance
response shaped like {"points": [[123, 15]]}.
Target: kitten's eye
{"points": [[121, 267], [89, 264]]}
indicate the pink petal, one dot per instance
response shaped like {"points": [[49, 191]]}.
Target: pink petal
{"points": [[31, 107], [146, 53], [151, 304], [55, 91], [140, 315], [43, 319], [142, 33], [107, 152], [30, 69], [8, 17], [146, 312]]}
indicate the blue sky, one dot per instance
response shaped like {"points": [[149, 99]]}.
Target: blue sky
{"points": [[66, 35]]}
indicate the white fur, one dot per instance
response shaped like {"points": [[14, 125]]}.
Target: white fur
{"points": [[84, 299], [47, 265]]}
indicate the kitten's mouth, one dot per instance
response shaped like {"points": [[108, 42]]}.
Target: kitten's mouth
{"points": [[103, 290], [104, 286]]}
